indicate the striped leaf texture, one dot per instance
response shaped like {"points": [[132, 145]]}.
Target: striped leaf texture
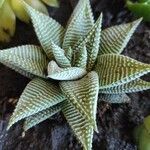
{"points": [[79, 24], [79, 124], [114, 70], [69, 54], [47, 29], [59, 55], [28, 60], [93, 44], [39, 117], [82, 95], [92, 41], [81, 57], [37, 96], [133, 86], [114, 98], [61, 74], [115, 39]]}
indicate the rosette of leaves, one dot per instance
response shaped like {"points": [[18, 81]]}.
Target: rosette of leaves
{"points": [[12, 9], [140, 8], [71, 68]]}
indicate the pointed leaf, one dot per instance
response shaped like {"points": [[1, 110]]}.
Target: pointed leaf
{"points": [[81, 57], [92, 41], [37, 96], [28, 60], [115, 39], [114, 98], [59, 55], [93, 44], [79, 24], [46, 28], [71, 73], [83, 95], [133, 86], [40, 116], [114, 70], [79, 124]]}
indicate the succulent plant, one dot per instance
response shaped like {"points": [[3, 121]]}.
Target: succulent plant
{"points": [[140, 8], [142, 134], [73, 68], [10, 9]]}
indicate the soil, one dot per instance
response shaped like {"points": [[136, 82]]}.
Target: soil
{"points": [[115, 122]]}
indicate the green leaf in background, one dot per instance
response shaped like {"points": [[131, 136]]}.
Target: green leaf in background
{"points": [[140, 9], [53, 3]]}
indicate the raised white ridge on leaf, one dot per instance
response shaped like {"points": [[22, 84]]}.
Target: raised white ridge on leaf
{"points": [[79, 24], [115, 39], [93, 43], [40, 116], [69, 54], [47, 29], [37, 96], [114, 70], [133, 86], [59, 55], [79, 124], [81, 57], [83, 95], [28, 60], [61, 74], [114, 98]]}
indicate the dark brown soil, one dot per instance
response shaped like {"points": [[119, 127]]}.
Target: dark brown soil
{"points": [[115, 122]]}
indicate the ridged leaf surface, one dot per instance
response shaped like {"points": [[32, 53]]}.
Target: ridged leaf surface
{"points": [[60, 57], [115, 39], [114, 70], [40, 116], [37, 96], [47, 29], [28, 60], [83, 94], [61, 74], [133, 86], [79, 24], [79, 124], [93, 44], [81, 57], [114, 98]]}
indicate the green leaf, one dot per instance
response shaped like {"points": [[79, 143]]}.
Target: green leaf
{"points": [[79, 24], [53, 3], [83, 95], [40, 116], [37, 96], [69, 54], [1, 3], [92, 41], [93, 44], [47, 29], [59, 55], [114, 70], [114, 98], [133, 86], [115, 39], [81, 57], [71, 73], [79, 124], [28, 60]]}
